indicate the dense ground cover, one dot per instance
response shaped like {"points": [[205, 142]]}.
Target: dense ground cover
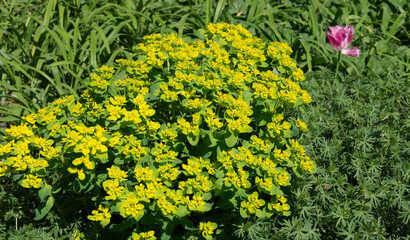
{"points": [[358, 125]]}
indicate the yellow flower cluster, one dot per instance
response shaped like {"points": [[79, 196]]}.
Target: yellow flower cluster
{"points": [[77, 235], [279, 205], [32, 182], [299, 155], [301, 125], [101, 215], [143, 236], [208, 229], [172, 130], [253, 203]]}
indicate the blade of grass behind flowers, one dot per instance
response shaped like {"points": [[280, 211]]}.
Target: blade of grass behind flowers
{"points": [[208, 11], [136, 17], [313, 21], [397, 25], [49, 12], [271, 22], [308, 55], [60, 50], [219, 10]]}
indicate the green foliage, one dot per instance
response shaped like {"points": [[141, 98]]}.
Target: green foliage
{"points": [[359, 131], [29, 233], [169, 141]]}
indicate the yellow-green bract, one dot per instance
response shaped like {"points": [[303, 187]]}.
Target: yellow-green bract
{"points": [[181, 128]]}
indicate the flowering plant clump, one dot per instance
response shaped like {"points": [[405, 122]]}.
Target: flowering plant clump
{"points": [[181, 131]]}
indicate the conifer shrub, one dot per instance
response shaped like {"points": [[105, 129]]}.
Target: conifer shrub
{"points": [[185, 136]]}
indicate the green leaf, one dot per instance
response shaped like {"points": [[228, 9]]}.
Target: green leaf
{"points": [[192, 139], [219, 10], [227, 202], [207, 196], [43, 209], [288, 133], [102, 157], [155, 90], [105, 222], [298, 171], [246, 129], [308, 55], [219, 183], [385, 18], [49, 11], [275, 191], [182, 211], [313, 20], [44, 192], [247, 96], [167, 227], [124, 225], [208, 10], [84, 185], [286, 213], [243, 213], [231, 139], [210, 139], [260, 214]]}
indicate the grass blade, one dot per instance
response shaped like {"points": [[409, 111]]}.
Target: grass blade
{"points": [[308, 55], [313, 21], [219, 9], [208, 9], [49, 12]]}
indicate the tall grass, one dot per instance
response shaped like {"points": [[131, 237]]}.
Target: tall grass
{"points": [[47, 48]]}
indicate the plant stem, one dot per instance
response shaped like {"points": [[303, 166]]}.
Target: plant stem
{"points": [[337, 65]]}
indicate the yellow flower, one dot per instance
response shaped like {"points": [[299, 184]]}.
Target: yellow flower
{"points": [[77, 235], [78, 109], [35, 164], [301, 125], [166, 206], [32, 182], [6, 149], [118, 100], [116, 173], [207, 229], [143, 236], [308, 166], [72, 137], [196, 203], [144, 174], [130, 206], [114, 112], [50, 152], [79, 172], [253, 203], [84, 160], [101, 215], [3, 168], [19, 131], [282, 178], [17, 162], [30, 118], [113, 189]]}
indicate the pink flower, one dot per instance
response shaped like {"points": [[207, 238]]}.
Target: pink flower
{"points": [[340, 38]]}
